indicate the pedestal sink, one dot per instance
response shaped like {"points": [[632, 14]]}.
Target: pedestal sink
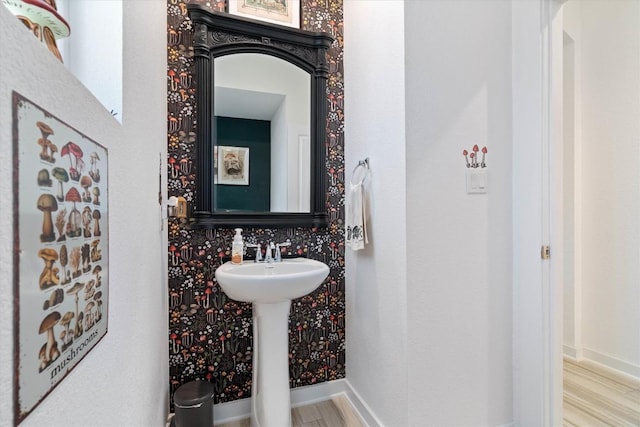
{"points": [[270, 288]]}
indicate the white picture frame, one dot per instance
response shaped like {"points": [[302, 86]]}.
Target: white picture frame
{"points": [[215, 164], [233, 165]]}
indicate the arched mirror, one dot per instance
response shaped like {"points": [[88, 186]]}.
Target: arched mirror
{"points": [[261, 123]]}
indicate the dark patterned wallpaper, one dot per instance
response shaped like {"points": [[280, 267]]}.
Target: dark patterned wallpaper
{"points": [[210, 334]]}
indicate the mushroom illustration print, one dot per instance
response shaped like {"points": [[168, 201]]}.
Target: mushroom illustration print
{"points": [[89, 290], [96, 253], [64, 260], [49, 276], [55, 193], [56, 297], [74, 261], [62, 176], [96, 224], [88, 315], [47, 146], [51, 351], [74, 290], [61, 221], [67, 335], [86, 267], [98, 299], [96, 196], [76, 164], [85, 183], [86, 221], [74, 224], [47, 204], [94, 172], [79, 329], [44, 180], [97, 270]]}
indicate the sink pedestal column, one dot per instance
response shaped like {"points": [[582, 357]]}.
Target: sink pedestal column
{"points": [[270, 397]]}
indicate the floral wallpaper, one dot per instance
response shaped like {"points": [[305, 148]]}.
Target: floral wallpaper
{"points": [[210, 335]]}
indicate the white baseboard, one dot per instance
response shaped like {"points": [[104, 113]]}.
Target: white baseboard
{"points": [[366, 414], [613, 363], [572, 352], [310, 394], [239, 409], [231, 411]]}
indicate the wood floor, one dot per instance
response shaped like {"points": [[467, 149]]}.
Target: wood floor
{"points": [[336, 412], [593, 397], [597, 397]]}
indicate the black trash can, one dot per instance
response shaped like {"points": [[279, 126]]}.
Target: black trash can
{"points": [[193, 403]]}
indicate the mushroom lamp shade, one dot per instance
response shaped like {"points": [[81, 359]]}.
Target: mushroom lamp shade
{"points": [[42, 18], [41, 13]]}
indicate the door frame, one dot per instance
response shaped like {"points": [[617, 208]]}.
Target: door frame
{"points": [[537, 211]]}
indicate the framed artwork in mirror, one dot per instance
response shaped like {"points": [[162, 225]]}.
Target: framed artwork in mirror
{"points": [[282, 12], [233, 165], [215, 164]]}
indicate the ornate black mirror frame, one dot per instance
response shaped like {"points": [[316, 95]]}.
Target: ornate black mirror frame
{"points": [[218, 34]]}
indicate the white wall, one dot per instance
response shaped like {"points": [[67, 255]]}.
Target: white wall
{"points": [[609, 44], [123, 380], [572, 177], [528, 275], [459, 251], [279, 173], [376, 277], [93, 50], [429, 300]]}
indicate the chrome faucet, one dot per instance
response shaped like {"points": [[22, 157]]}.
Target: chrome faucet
{"points": [[272, 251], [278, 251], [258, 251], [269, 256]]}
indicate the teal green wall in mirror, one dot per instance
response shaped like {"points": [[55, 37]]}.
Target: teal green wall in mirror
{"points": [[254, 135]]}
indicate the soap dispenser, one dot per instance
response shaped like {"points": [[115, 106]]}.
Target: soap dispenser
{"points": [[237, 247]]}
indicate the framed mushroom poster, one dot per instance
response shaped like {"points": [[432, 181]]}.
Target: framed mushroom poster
{"points": [[61, 250], [233, 165]]}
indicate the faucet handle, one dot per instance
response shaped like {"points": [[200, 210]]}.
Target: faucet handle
{"points": [[270, 247], [278, 251], [258, 251]]}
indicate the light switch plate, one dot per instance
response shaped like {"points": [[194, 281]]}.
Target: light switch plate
{"points": [[477, 181]]}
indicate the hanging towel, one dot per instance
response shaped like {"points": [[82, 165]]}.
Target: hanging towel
{"points": [[356, 216]]}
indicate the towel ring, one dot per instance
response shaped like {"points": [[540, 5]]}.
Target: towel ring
{"points": [[364, 165]]}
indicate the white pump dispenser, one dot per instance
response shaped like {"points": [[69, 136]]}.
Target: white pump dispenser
{"points": [[237, 247]]}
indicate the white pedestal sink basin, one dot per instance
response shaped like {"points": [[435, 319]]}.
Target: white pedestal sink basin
{"points": [[270, 288]]}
